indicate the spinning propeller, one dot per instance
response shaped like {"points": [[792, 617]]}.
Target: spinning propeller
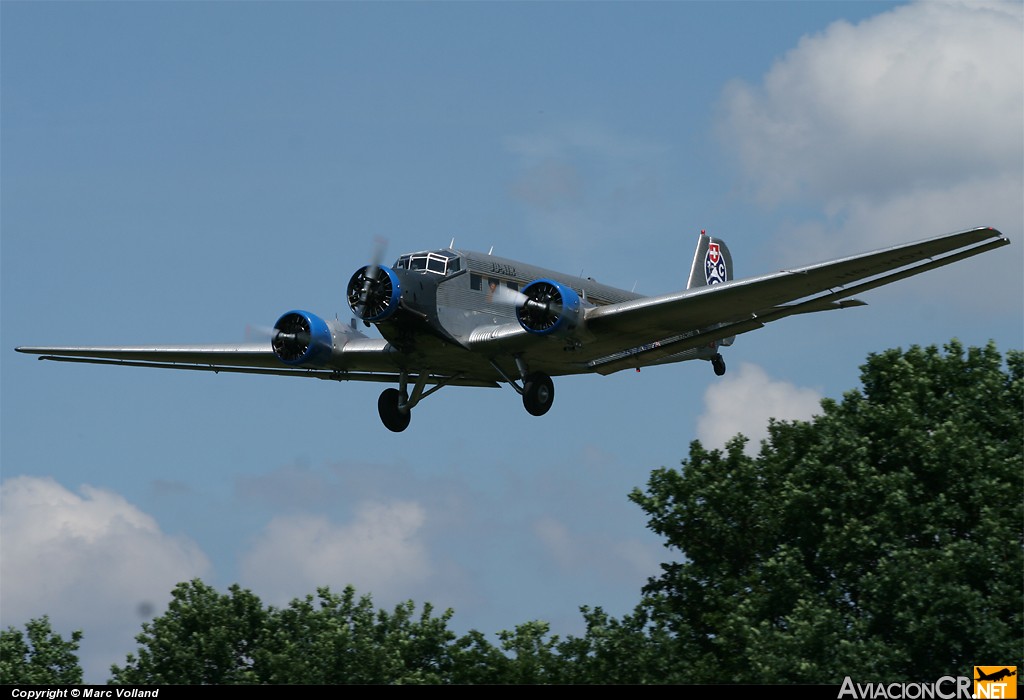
{"points": [[292, 337], [507, 295], [540, 309], [548, 307], [373, 290]]}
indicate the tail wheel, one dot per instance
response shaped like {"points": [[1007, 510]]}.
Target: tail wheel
{"points": [[718, 364], [394, 418], [538, 393]]}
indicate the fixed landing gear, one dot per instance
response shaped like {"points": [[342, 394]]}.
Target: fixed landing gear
{"points": [[718, 364], [395, 405], [537, 390], [394, 413], [538, 393]]}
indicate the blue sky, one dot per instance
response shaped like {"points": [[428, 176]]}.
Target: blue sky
{"points": [[178, 172]]}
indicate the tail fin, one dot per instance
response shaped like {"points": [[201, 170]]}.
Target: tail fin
{"points": [[712, 262]]}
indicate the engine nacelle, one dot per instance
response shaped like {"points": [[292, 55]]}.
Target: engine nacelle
{"points": [[374, 293], [549, 308], [301, 337]]}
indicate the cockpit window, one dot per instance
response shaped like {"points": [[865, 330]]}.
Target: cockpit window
{"points": [[441, 262]]}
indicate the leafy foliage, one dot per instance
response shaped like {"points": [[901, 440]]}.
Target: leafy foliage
{"points": [[339, 639], [204, 637], [882, 540], [40, 656], [210, 638]]}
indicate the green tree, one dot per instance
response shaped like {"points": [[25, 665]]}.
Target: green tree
{"points": [[39, 656], [627, 651], [882, 540], [205, 637], [341, 639]]}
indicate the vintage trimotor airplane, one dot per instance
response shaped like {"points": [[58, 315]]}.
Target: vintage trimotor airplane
{"points": [[458, 318]]}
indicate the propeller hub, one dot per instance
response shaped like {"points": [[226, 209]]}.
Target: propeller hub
{"points": [[548, 307], [301, 337], [373, 293]]}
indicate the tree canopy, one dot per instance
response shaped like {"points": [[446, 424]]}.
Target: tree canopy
{"points": [[206, 637], [39, 656], [880, 540]]}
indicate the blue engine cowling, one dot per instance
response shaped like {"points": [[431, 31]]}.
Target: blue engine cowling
{"points": [[374, 293], [549, 308], [301, 337]]}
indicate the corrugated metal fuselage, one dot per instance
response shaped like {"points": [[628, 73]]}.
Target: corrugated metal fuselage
{"points": [[474, 296], [450, 309]]}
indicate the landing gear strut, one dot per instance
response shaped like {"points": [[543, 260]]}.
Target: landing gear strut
{"points": [[538, 391], [395, 405], [718, 364]]}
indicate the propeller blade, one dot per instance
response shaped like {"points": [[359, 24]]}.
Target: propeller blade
{"points": [[506, 295], [380, 247], [257, 333]]}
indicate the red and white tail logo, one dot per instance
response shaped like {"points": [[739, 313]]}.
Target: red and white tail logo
{"points": [[714, 265]]}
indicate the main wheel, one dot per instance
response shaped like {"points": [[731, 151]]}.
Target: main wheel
{"points": [[538, 393], [394, 419]]}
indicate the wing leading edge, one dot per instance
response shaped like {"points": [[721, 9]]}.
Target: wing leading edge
{"points": [[360, 359]]}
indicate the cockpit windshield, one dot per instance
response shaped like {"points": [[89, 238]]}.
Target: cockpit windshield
{"points": [[441, 262]]}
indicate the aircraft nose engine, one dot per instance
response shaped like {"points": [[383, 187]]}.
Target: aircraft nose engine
{"points": [[548, 307], [373, 293], [301, 337]]}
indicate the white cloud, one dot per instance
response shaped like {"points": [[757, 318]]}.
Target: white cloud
{"points": [[555, 538], [990, 284], [743, 401], [379, 552], [595, 554], [925, 95], [90, 561], [904, 126]]}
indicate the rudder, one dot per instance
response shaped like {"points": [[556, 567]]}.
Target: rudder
{"points": [[712, 262]]}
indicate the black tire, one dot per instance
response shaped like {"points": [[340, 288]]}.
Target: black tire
{"points": [[538, 393], [393, 418], [718, 364]]}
